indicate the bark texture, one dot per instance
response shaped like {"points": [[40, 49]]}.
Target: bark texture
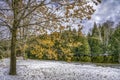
{"points": [[13, 54]]}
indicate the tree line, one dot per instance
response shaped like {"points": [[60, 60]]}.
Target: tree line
{"points": [[100, 45], [104, 42]]}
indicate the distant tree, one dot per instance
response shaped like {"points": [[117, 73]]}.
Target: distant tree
{"points": [[84, 50], [114, 44], [67, 45], [95, 31], [95, 42], [106, 30]]}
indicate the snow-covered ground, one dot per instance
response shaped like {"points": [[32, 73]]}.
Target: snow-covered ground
{"points": [[55, 70]]}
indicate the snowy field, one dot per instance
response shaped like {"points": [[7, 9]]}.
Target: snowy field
{"points": [[55, 70]]}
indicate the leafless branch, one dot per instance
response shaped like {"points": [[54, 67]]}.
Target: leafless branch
{"points": [[5, 23]]}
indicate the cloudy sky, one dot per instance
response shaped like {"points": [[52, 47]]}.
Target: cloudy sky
{"points": [[107, 10]]}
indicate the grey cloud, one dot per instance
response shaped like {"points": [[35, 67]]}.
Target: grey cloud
{"points": [[107, 10]]}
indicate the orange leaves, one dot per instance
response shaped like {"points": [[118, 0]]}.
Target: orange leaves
{"points": [[51, 54], [70, 7], [80, 9], [44, 47]]}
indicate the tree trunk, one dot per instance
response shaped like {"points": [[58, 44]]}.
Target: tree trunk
{"points": [[15, 7], [13, 53]]}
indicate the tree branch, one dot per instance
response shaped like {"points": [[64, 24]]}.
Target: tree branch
{"points": [[4, 23]]}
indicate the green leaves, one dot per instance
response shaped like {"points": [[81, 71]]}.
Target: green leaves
{"points": [[115, 41]]}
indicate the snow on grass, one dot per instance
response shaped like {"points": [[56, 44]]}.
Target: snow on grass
{"points": [[55, 70]]}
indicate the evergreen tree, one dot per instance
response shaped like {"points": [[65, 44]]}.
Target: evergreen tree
{"points": [[115, 44], [106, 31], [95, 43]]}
